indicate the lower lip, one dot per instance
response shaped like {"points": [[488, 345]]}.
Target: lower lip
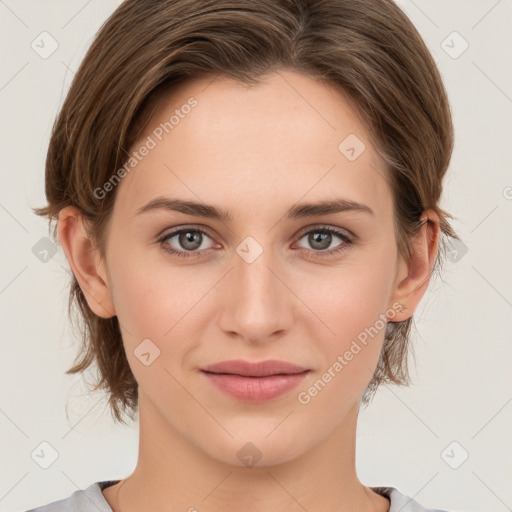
{"points": [[255, 389]]}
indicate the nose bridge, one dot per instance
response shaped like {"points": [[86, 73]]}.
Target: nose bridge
{"points": [[259, 303], [255, 276]]}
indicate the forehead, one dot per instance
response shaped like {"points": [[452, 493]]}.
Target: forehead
{"points": [[286, 138]]}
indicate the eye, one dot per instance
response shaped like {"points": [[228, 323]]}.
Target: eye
{"points": [[320, 238], [189, 241]]}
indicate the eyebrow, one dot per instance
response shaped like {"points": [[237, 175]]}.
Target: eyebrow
{"points": [[297, 211]]}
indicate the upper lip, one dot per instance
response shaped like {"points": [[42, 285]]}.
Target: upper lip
{"points": [[255, 369]]}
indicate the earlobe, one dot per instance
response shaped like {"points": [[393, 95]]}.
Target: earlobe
{"points": [[84, 261], [414, 276]]}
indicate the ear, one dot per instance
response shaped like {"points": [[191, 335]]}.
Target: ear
{"points": [[85, 261], [413, 277]]}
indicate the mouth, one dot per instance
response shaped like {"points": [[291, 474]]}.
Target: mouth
{"points": [[254, 382]]}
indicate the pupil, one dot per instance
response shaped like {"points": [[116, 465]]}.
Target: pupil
{"points": [[190, 238], [321, 237]]}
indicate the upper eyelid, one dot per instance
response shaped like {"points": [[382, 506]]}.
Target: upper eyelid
{"points": [[307, 229], [180, 229]]}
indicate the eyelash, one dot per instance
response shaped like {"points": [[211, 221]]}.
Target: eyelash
{"points": [[347, 241]]}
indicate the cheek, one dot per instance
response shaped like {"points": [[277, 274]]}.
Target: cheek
{"points": [[351, 303], [170, 305], [349, 350], [150, 295], [157, 302], [351, 298]]}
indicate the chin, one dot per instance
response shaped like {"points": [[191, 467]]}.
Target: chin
{"points": [[253, 448]]}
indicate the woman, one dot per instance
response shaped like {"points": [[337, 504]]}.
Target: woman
{"points": [[248, 197]]}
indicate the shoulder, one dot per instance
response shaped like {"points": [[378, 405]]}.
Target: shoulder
{"points": [[90, 499], [402, 503]]}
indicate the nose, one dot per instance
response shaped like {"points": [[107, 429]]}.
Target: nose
{"points": [[257, 304]]}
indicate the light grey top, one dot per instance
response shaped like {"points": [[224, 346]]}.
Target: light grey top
{"points": [[92, 500]]}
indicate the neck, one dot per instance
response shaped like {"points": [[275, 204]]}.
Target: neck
{"points": [[173, 472]]}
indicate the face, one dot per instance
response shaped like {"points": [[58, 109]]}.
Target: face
{"points": [[271, 280]]}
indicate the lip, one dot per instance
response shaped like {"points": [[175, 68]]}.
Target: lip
{"points": [[254, 381], [255, 369]]}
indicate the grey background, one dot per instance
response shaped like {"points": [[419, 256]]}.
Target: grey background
{"points": [[462, 388]]}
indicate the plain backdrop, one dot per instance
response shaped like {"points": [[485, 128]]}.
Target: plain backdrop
{"points": [[444, 441]]}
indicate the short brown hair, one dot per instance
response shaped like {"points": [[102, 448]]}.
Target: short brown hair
{"points": [[368, 49]]}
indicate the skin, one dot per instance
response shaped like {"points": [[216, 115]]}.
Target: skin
{"points": [[255, 151]]}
